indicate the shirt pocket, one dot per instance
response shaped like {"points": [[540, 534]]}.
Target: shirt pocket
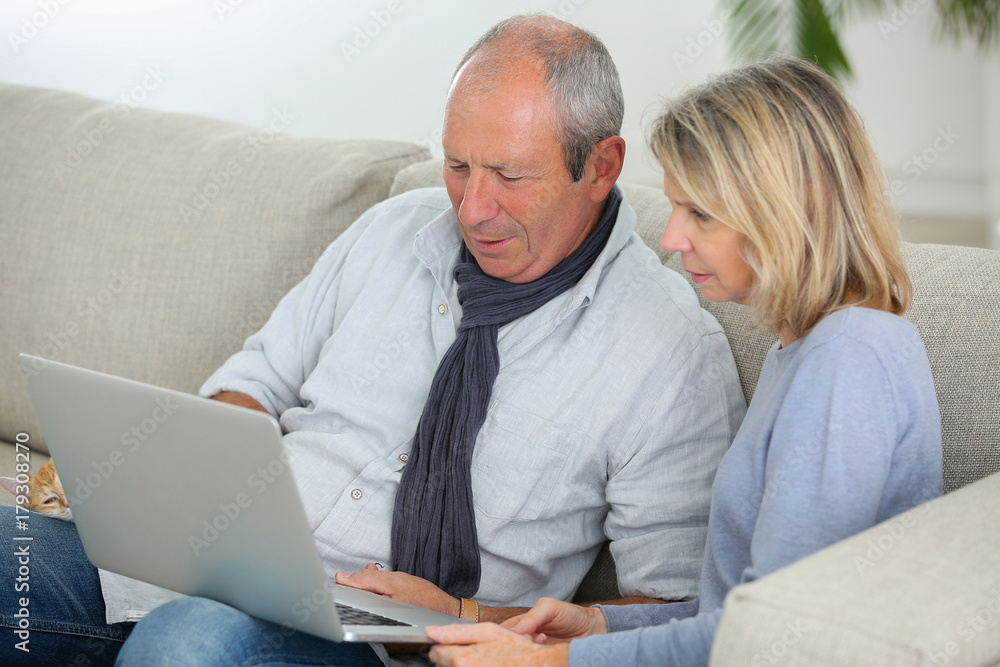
{"points": [[518, 463]]}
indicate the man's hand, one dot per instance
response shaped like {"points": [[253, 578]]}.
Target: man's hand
{"points": [[552, 621], [401, 586], [489, 644], [242, 400]]}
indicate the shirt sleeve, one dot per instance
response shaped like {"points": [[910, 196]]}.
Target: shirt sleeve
{"points": [[827, 469], [686, 642], [659, 496], [276, 360], [621, 617], [829, 455]]}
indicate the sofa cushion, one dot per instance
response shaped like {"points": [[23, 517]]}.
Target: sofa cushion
{"points": [[956, 307], [149, 244], [920, 589]]}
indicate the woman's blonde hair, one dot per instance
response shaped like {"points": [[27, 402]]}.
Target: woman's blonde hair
{"points": [[774, 150]]}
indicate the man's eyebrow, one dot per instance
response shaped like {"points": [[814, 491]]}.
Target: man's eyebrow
{"points": [[495, 166], [502, 166]]}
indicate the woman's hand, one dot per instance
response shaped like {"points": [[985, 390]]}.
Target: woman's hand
{"points": [[401, 586], [489, 644], [552, 621]]}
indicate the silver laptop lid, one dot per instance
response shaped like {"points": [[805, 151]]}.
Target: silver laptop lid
{"points": [[196, 496], [127, 450]]}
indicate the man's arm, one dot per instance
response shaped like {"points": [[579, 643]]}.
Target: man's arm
{"points": [[242, 400], [408, 588]]}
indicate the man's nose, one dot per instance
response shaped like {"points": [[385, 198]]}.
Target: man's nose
{"points": [[479, 201]]}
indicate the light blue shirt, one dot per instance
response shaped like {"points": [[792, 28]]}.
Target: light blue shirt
{"points": [[843, 432], [593, 431]]}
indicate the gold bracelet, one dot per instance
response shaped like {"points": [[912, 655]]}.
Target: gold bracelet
{"points": [[473, 610]]}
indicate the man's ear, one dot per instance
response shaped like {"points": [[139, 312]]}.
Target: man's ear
{"points": [[604, 166]]}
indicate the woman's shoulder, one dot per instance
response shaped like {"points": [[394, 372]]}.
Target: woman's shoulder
{"points": [[878, 329], [866, 341]]}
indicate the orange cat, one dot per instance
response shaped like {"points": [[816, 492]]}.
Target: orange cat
{"points": [[45, 492]]}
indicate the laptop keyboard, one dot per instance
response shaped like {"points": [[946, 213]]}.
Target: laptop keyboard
{"points": [[355, 616]]}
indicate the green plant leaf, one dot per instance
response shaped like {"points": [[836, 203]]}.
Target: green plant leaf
{"points": [[979, 19], [805, 28]]}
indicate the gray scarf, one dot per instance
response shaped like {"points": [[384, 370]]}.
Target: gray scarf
{"points": [[433, 522]]}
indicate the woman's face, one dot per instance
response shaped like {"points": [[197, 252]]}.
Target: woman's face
{"points": [[710, 250]]}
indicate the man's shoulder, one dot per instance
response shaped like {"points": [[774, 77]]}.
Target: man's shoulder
{"points": [[653, 293], [398, 219], [430, 199]]}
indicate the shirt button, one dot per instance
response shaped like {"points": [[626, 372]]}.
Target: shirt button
{"points": [[404, 457], [356, 494], [442, 309]]}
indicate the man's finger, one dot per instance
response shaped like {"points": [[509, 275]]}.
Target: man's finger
{"points": [[368, 580]]}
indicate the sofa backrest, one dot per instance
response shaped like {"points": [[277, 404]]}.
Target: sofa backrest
{"points": [[956, 308], [150, 244]]}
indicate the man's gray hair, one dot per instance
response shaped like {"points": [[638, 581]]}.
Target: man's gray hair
{"points": [[579, 73]]}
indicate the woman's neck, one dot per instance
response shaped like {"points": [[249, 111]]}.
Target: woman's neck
{"points": [[786, 335]]}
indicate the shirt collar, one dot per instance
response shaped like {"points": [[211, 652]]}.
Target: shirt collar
{"points": [[438, 243]]}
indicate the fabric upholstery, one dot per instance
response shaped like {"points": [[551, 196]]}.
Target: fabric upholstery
{"points": [[149, 244], [920, 589]]}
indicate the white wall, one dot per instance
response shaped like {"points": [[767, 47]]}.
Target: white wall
{"points": [[932, 109]]}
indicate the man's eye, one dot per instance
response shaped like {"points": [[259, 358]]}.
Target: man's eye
{"points": [[457, 167], [510, 179]]}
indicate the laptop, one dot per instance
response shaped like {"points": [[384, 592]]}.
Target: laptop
{"points": [[196, 496]]}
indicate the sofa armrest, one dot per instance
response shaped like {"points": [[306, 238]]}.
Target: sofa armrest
{"points": [[920, 589]]}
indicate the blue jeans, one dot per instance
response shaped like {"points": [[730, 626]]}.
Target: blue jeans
{"points": [[66, 626], [196, 632], [51, 604]]}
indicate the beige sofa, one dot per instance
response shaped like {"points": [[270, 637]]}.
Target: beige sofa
{"points": [[149, 245]]}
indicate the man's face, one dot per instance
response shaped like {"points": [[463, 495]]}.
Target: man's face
{"points": [[516, 204]]}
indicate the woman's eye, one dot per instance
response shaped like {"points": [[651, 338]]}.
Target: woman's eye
{"points": [[699, 215]]}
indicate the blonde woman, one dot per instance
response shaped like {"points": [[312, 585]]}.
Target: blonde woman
{"points": [[779, 203]]}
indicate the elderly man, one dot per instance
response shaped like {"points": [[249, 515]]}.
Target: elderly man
{"points": [[550, 385]]}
